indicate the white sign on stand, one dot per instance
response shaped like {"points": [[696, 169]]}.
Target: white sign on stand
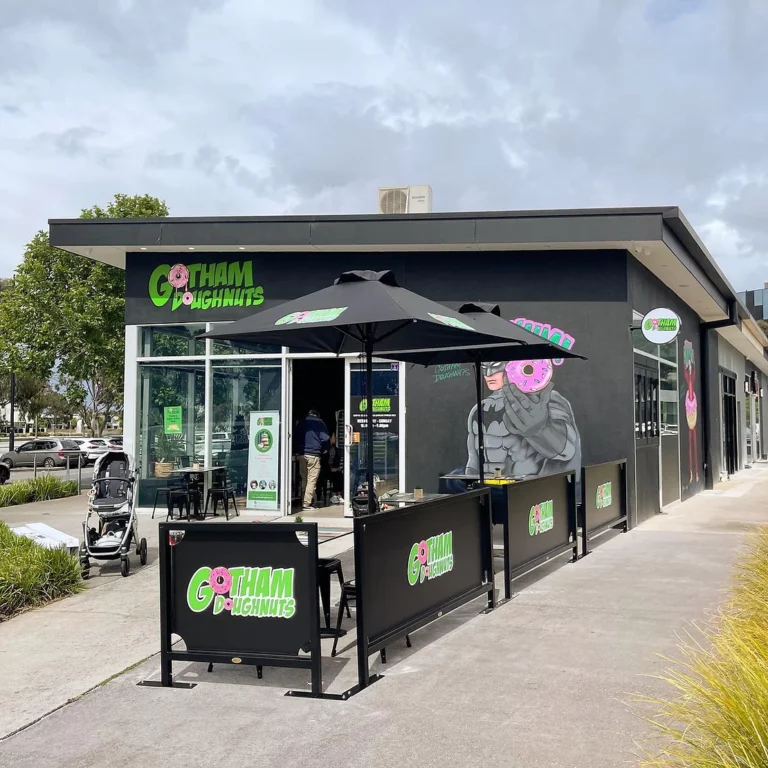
{"points": [[264, 461]]}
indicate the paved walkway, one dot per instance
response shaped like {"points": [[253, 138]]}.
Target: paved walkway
{"points": [[539, 682]]}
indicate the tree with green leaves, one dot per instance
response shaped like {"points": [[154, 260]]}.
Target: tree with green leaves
{"points": [[67, 311]]}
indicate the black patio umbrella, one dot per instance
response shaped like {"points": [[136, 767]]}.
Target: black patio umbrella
{"points": [[529, 347], [367, 310]]}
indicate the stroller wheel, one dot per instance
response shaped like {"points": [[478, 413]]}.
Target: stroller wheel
{"points": [[143, 552], [125, 566], [86, 573]]}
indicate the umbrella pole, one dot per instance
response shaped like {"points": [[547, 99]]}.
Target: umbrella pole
{"points": [[369, 409], [480, 437]]}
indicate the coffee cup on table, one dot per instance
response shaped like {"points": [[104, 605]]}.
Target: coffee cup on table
{"points": [[418, 493], [497, 473], [195, 465]]}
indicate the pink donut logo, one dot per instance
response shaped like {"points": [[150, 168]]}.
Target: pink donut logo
{"points": [[529, 375], [178, 276], [220, 581], [423, 552], [187, 298]]}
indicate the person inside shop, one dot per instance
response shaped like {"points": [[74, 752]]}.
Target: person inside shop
{"points": [[333, 472], [312, 441]]}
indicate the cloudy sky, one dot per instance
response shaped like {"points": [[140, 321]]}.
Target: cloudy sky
{"points": [[264, 107]]}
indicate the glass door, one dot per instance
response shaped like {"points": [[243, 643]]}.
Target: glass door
{"points": [[387, 414]]}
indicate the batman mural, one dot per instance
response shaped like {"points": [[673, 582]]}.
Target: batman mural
{"points": [[529, 426]]}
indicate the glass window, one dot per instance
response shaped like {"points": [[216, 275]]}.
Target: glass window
{"points": [[225, 347], [759, 298], [670, 400], [172, 340], [239, 389], [171, 419]]}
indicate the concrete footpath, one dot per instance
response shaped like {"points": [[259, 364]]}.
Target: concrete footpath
{"points": [[541, 681]]}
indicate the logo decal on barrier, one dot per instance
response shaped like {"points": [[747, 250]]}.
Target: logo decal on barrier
{"points": [[603, 497], [430, 558], [256, 592], [541, 518]]}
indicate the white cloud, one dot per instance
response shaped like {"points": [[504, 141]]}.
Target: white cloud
{"points": [[231, 106]]}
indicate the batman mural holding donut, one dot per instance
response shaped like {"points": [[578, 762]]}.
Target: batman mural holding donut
{"points": [[529, 426]]}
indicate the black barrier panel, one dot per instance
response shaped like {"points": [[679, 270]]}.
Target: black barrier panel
{"points": [[604, 497], [418, 562], [241, 593], [539, 518]]}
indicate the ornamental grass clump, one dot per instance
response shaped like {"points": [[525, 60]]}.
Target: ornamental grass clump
{"points": [[31, 575], [717, 716], [42, 488]]}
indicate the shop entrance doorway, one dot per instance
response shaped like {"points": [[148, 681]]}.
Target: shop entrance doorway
{"points": [[730, 434], [647, 438], [318, 383]]}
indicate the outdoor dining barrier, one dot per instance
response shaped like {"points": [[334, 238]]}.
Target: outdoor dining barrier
{"points": [[242, 593], [604, 499], [416, 563], [539, 522]]}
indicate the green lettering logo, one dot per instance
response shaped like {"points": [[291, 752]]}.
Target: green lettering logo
{"points": [[203, 286], [541, 518], [380, 404], [241, 591], [430, 558]]}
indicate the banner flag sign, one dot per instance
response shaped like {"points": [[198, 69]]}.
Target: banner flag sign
{"points": [[172, 419], [264, 461]]}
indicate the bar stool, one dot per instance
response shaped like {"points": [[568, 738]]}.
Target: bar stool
{"points": [[220, 490], [349, 594], [164, 491], [183, 495], [326, 566]]}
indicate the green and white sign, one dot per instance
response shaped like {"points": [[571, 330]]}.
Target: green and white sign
{"points": [[603, 496], [172, 420], [541, 518], [263, 461], [660, 326]]}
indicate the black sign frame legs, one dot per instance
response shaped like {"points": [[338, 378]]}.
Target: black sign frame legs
{"points": [[573, 517], [583, 516], [488, 547], [166, 665]]}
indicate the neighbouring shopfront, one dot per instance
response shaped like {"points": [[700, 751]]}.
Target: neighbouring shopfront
{"points": [[664, 407]]}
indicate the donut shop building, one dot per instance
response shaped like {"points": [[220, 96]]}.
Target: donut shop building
{"points": [[685, 413]]}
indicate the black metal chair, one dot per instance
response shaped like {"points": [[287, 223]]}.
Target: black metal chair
{"points": [[185, 496], [348, 595], [326, 567], [220, 490], [165, 490]]}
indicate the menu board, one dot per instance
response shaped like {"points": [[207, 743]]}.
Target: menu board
{"points": [[264, 461]]}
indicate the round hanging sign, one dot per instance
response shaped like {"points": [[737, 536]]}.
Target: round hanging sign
{"points": [[660, 326]]}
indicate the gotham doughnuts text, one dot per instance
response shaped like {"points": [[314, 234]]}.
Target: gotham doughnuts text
{"points": [[255, 592], [205, 286]]}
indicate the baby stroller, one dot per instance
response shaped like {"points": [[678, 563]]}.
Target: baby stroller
{"points": [[111, 498]]}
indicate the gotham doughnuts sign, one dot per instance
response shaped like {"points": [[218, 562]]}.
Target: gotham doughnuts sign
{"points": [[204, 286], [660, 326]]}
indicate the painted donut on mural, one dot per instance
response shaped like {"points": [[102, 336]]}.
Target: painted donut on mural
{"points": [[691, 409], [529, 375]]}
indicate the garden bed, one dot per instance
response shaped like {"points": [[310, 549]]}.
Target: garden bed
{"points": [[31, 575]]}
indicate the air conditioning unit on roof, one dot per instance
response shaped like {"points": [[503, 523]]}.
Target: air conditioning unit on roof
{"points": [[416, 198]]}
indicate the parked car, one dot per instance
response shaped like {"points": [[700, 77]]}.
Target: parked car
{"points": [[45, 452], [92, 448], [115, 441]]}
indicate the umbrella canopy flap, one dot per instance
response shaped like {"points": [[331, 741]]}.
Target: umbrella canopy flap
{"points": [[361, 307]]}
